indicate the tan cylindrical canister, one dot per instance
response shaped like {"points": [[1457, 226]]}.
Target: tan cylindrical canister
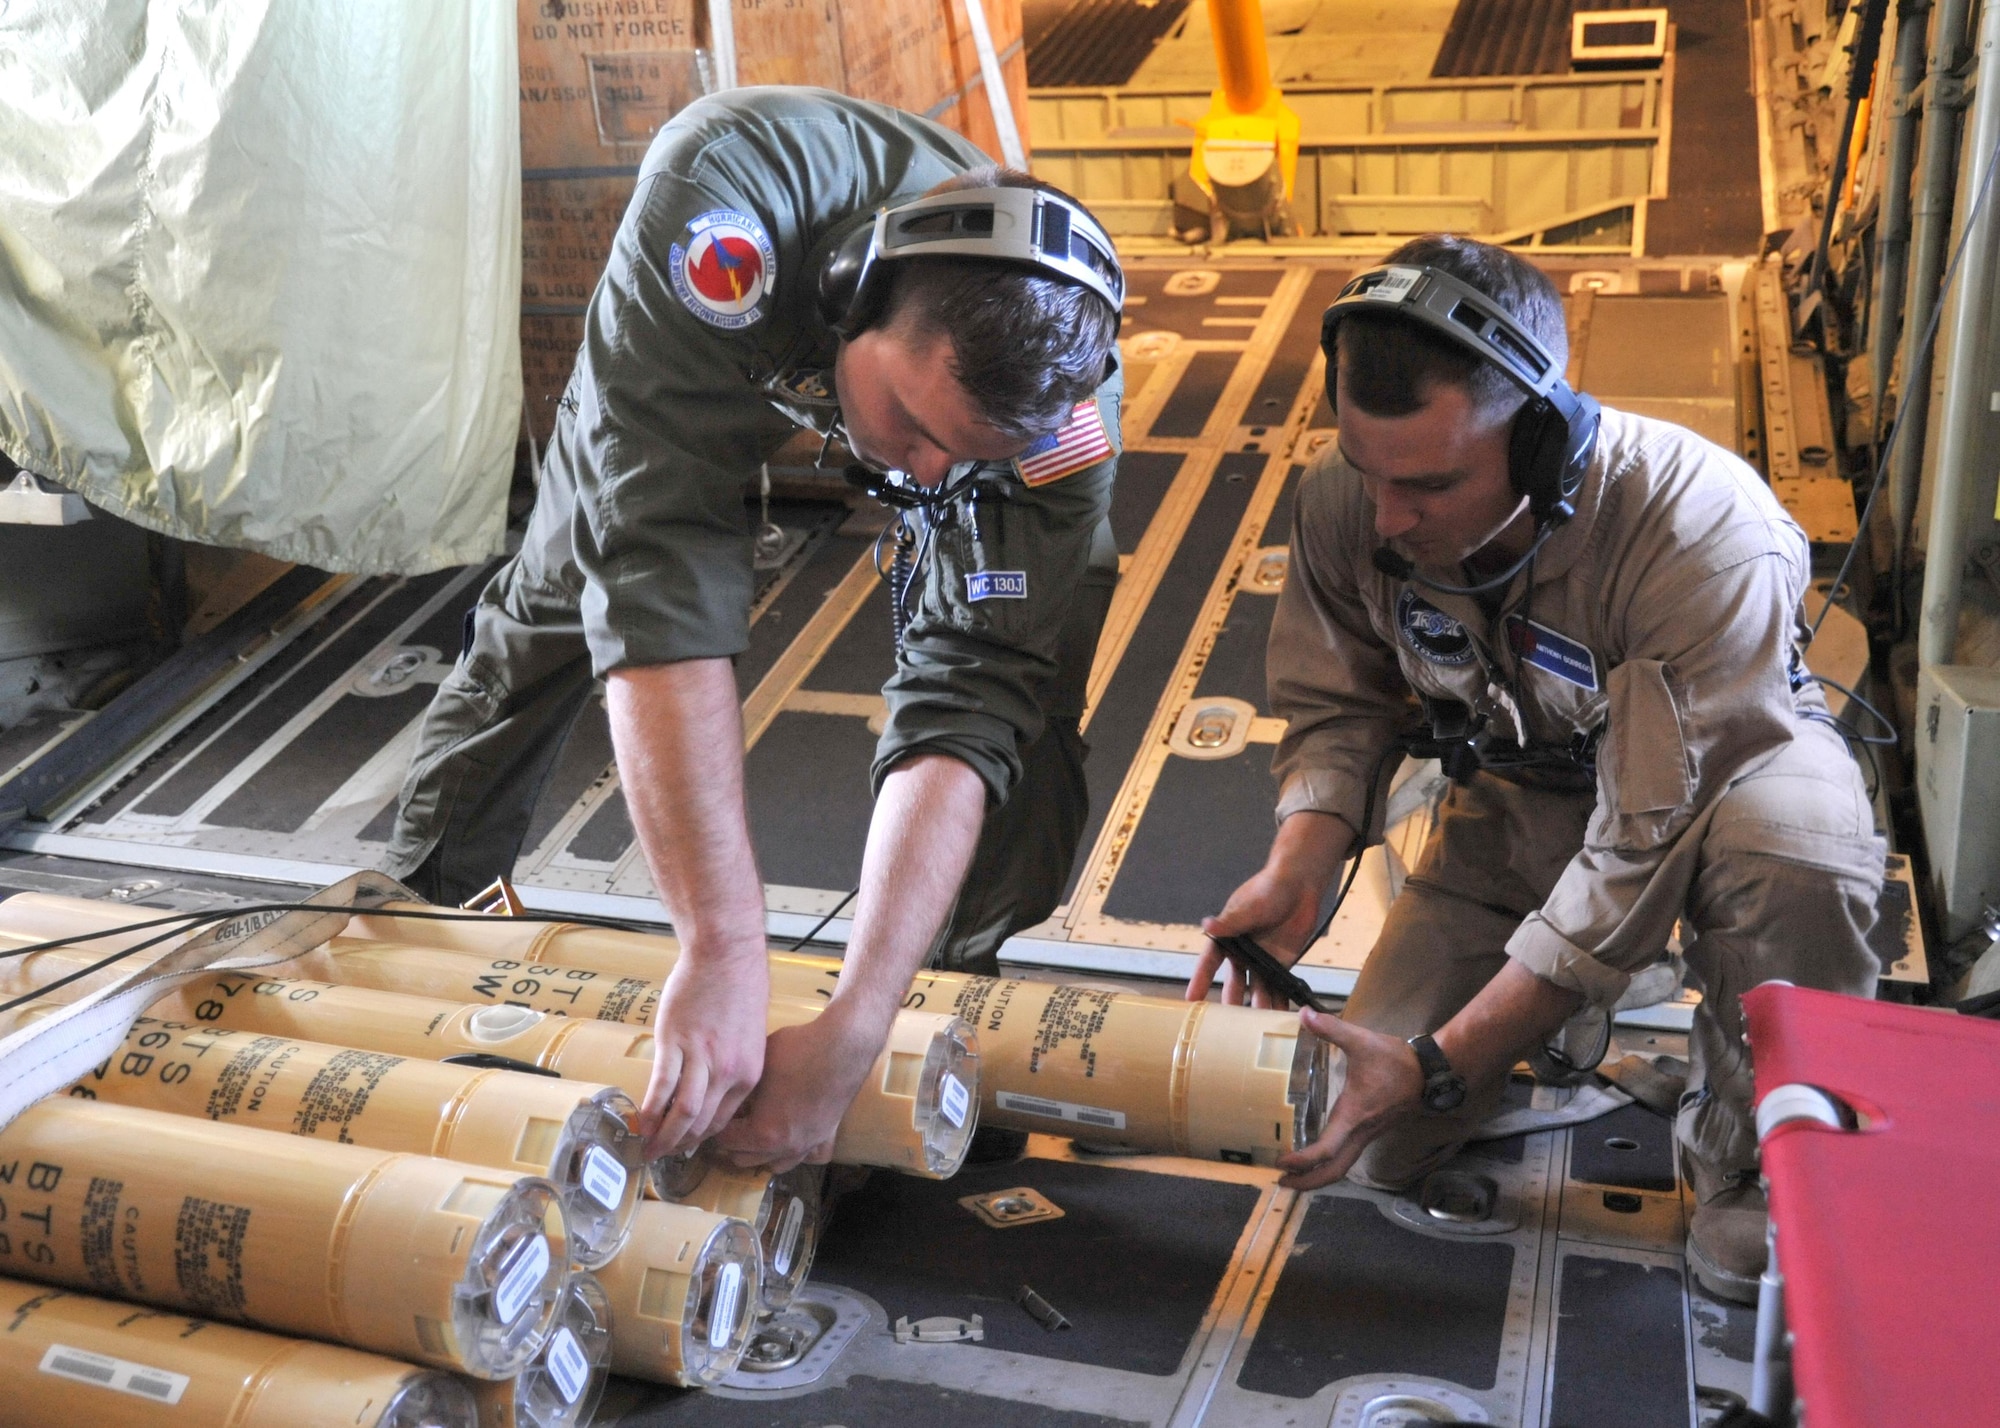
{"points": [[1156, 1073], [786, 1211], [583, 1137], [684, 1295], [429, 1260], [69, 1358], [561, 1386], [915, 1112]]}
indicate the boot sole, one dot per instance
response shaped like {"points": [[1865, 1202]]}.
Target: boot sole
{"points": [[1719, 1283]]}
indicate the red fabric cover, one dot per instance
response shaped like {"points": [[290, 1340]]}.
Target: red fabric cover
{"points": [[1889, 1238]]}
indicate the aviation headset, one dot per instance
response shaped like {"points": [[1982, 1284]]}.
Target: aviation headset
{"points": [[1553, 435], [1030, 227]]}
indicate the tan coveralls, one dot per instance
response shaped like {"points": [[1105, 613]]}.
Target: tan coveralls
{"points": [[1666, 612]]}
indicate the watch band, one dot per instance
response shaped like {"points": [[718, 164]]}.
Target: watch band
{"points": [[1430, 1058], [1444, 1088]]}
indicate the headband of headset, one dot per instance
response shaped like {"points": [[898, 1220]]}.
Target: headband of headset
{"points": [[1554, 434], [1027, 226]]}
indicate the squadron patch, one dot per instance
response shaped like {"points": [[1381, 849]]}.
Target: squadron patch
{"points": [[723, 268], [1079, 442], [1430, 632]]}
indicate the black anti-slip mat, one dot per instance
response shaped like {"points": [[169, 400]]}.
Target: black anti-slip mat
{"points": [[1187, 410], [1361, 1294], [292, 679], [1164, 312], [1207, 828], [1119, 721], [806, 782], [1207, 825], [280, 796], [1133, 1263], [1632, 1148], [864, 1402], [1621, 1351], [1272, 401]]}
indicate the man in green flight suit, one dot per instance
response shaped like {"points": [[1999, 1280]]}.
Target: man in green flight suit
{"points": [[751, 290]]}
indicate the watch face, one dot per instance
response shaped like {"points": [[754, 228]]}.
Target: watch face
{"points": [[1445, 1093]]}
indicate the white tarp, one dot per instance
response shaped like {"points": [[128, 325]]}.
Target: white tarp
{"points": [[260, 269]]}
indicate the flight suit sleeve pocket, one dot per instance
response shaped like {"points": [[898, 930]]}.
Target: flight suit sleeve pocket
{"points": [[1645, 788]]}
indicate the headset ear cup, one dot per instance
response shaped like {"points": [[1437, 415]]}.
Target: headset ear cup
{"points": [[1536, 449], [844, 283]]}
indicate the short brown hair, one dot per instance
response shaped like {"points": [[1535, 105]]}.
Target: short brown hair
{"points": [[1026, 347], [1389, 362]]}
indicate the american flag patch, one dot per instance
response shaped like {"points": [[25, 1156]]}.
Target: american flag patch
{"points": [[1079, 442]]}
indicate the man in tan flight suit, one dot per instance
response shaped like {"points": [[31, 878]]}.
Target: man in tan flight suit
{"points": [[1652, 751]]}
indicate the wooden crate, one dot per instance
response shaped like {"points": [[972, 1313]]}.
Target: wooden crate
{"points": [[598, 80]]}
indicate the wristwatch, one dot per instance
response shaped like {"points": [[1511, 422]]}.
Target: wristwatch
{"points": [[1444, 1088]]}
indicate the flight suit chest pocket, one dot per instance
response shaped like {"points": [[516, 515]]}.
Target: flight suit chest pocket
{"points": [[1645, 784]]}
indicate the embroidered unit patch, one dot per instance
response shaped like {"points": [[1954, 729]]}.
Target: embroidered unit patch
{"points": [[996, 585], [1079, 442], [1558, 654], [1430, 632], [723, 268]]}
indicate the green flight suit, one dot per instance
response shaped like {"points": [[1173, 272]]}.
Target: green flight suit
{"points": [[703, 351]]}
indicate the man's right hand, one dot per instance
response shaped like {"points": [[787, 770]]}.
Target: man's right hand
{"points": [[1279, 906], [708, 1048]]}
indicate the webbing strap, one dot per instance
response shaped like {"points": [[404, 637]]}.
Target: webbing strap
{"points": [[53, 1052]]}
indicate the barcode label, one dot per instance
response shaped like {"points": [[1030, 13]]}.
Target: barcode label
{"points": [[522, 1277], [953, 1101], [788, 1237], [1060, 1111], [722, 1313], [603, 1177], [568, 1366], [119, 1375]]}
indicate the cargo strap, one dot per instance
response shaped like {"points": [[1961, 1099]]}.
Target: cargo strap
{"points": [[52, 1053]]}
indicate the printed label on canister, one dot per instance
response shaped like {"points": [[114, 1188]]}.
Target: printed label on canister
{"points": [[521, 1279], [119, 1375], [567, 1365], [953, 1101], [788, 1237], [603, 1177], [1060, 1110], [722, 1314]]}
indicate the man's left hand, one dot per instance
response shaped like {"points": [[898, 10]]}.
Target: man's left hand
{"points": [[811, 1075], [1384, 1085]]}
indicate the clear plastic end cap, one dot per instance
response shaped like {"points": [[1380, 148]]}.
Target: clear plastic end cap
{"points": [[600, 1166], [561, 1388], [430, 1400], [505, 1305], [947, 1110], [723, 1301]]}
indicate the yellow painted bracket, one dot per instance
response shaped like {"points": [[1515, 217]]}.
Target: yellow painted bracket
{"points": [[1275, 125], [1247, 112]]}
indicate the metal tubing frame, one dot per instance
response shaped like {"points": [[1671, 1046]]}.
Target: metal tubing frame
{"points": [[1964, 394], [1930, 234], [1893, 234]]}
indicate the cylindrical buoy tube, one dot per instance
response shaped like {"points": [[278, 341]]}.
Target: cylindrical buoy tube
{"points": [[582, 1137], [920, 1105], [561, 1386], [785, 1210], [914, 1113], [1155, 1073], [70, 1358], [684, 1295], [452, 1265]]}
